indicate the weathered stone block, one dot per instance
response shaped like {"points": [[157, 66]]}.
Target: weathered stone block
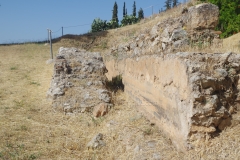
{"points": [[181, 92], [203, 16], [78, 81]]}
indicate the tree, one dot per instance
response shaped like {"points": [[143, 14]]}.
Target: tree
{"points": [[175, 3], [124, 10], [128, 20], [134, 9], [115, 16], [168, 4], [140, 14], [160, 10], [99, 25], [229, 19]]}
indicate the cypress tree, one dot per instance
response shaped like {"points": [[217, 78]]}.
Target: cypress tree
{"points": [[124, 10], [115, 16], [134, 9], [160, 10], [175, 3], [140, 14], [168, 4]]}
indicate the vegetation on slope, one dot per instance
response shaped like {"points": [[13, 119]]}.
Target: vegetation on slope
{"points": [[102, 25], [229, 20]]}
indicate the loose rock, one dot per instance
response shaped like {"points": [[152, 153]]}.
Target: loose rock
{"points": [[96, 142]]}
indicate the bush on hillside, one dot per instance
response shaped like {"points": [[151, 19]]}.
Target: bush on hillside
{"points": [[229, 20], [99, 25], [128, 20]]}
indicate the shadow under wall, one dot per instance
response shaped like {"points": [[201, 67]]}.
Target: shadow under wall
{"points": [[115, 84]]}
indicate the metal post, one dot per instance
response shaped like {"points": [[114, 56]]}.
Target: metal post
{"points": [[62, 31], [50, 37], [47, 36]]}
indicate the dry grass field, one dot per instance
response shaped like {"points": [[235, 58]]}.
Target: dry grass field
{"points": [[31, 129]]}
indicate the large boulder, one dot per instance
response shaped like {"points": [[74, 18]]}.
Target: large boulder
{"points": [[203, 16]]}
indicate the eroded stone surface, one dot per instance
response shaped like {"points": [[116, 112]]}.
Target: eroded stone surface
{"points": [[194, 28], [188, 95], [203, 16], [78, 83]]}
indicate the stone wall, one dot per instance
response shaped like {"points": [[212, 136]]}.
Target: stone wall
{"points": [[78, 82], [188, 95]]}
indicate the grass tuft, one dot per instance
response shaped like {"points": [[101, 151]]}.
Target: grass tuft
{"points": [[13, 68]]}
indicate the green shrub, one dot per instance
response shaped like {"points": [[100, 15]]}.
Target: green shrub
{"points": [[99, 25], [229, 19], [128, 20]]}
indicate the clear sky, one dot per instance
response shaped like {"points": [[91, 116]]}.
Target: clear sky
{"points": [[28, 20]]}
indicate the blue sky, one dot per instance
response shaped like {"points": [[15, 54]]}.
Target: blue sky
{"points": [[28, 20]]}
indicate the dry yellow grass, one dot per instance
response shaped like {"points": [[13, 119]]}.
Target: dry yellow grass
{"points": [[30, 129], [232, 43]]}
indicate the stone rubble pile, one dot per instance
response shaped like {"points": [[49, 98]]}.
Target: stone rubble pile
{"points": [[195, 28], [78, 82]]}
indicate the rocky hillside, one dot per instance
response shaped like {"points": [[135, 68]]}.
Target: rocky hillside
{"points": [[193, 28]]}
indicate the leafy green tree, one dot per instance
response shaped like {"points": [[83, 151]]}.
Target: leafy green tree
{"points": [[128, 20], [140, 14], [99, 25], [175, 3], [229, 19], [124, 9], [168, 4], [134, 9], [115, 16]]}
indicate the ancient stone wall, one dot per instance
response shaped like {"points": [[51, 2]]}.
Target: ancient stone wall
{"points": [[78, 82], [190, 96]]}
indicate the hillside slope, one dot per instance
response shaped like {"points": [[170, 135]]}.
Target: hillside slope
{"points": [[232, 43], [31, 129]]}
